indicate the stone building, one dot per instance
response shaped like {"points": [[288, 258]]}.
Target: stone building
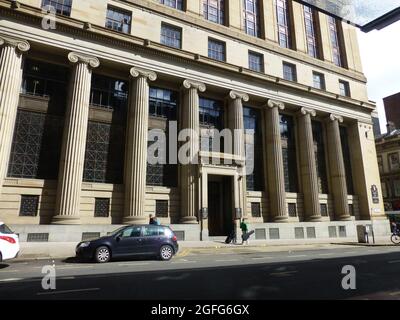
{"points": [[80, 88]]}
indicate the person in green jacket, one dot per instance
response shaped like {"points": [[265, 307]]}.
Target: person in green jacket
{"points": [[245, 229]]}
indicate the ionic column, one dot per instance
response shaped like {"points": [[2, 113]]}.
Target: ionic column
{"points": [[10, 84], [276, 178], [337, 169], [74, 140], [189, 171], [236, 124], [136, 147], [308, 167]]}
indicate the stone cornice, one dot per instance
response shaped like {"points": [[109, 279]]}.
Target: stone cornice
{"points": [[239, 95], [136, 72], [76, 57], [190, 84], [305, 111], [275, 104], [19, 44]]}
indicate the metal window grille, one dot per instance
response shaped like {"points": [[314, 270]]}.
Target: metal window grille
{"points": [[256, 210], [162, 208], [180, 235], [90, 235], [101, 207], [311, 233], [260, 234], [324, 209], [38, 237], [29, 206], [274, 233], [292, 210], [332, 232], [299, 233], [342, 232]]}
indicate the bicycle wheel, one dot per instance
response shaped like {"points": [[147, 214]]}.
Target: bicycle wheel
{"points": [[395, 238]]}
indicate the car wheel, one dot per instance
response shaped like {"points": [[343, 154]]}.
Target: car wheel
{"points": [[102, 255], [166, 252]]}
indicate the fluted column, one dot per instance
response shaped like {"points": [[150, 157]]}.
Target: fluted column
{"points": [[308, 167], [337, 169], [189, 171], [74, 140], [276, 178], [136, 148], [10, 84]]}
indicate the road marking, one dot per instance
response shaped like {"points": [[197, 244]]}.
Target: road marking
{"points": [[66, 291], [132, 264], [67, 278], [72, 267], [298, 256], [396, 293], [326, 254], [261, 258], [394, 261], [227, 260], [7, 271], [177, 262], [350, 252], [283, 273], [11, 280]]}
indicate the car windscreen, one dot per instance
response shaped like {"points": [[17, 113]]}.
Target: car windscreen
{"points": [[5, 229], [115, 232]]}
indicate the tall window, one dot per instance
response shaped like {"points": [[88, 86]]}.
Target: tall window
{"points": [[216, 50], [108, 93], [256, 61], [253, 147], [118, 20], [177, 4], [310, 22], [319, 80], [163, 103], [319, 148], [347, 160], [335, 42], [211, 113], [283, 17], [289, 71], [251, 14], [214, 10], [171, 36], [289, 153], [62, 7]]}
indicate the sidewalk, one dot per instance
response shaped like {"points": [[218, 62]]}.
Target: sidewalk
{"points": [[57, 250]]}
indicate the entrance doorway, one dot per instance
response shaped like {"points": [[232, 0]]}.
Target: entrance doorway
{"points": [[220, 190]]}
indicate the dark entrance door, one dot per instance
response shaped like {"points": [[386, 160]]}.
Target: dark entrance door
{"points": [[219, 206]]}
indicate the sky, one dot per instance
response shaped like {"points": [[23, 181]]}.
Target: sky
{"points": [[380, 53]]}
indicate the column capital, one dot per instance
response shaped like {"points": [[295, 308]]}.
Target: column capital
{"points": [[190, 84], [136, 72], [305, 111], [76, 57], [234, 95], [19, 44], [334, 117], [275, 104]]}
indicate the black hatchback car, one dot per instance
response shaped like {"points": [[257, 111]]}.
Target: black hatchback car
{"points": [[129, 241]]}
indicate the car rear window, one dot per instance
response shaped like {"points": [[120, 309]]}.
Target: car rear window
{"points": [[5, 229]]}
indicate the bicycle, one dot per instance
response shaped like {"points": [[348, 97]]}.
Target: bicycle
{"points": [[395, 237]]}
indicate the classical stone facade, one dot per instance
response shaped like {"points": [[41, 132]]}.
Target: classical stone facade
{"points": [[77, 102]]}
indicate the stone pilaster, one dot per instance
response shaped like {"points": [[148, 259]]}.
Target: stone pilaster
{"points": [[276, 178], [10, 84], [74, 140], [308, 167], [337, 169], [136, 148], [189, 171]]}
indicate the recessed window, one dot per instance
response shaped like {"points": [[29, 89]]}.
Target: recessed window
{"points": [[283, 19], [62, 7], [311, 26], [335, 41], [176, 4], [256, 61], [171, 36], [344, 88], [251, 15], [255, 210], [324, 209], [292, 210], [289, 72], [101, 207], [118, 20], [319, 80], [394, 161], [29, 206], [214, 10], [162, 208], [216, 50], [109, 93]]}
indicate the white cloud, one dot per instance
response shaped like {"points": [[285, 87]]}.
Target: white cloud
{"points": [[380, 53]]}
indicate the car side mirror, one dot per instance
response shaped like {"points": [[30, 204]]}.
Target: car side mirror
{"points": [[118, 238]]}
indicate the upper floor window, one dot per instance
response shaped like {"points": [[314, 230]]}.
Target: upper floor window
{"points": [[310, 22], [214, 10], [62, 7], [118, 20], [335, 41], [289, 71], [216, 50], [319, 80], [108, 93], [394, 161], [344, 87], [171, 36], [177, 4], [251, 14], [283, 17], [256, 61]]}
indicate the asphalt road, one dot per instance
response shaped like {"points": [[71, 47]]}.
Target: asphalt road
{"points": [[311, 274]]}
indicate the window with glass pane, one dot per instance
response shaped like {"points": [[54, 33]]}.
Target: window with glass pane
{"points": [[177, 4], [256, 61], [216, 49], [118, 20], [213, 10], [347, 159], [319, 148], [319, 80], [344, 88], [211, 113], [163, 103], [289, 72], [310, 22], [289, 153], [62, 7], [335, 41], [251, 14], [171, 36], [108, 92], [283, 19]]}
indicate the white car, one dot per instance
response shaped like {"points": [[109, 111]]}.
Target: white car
{"points": [[9, 243]]}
